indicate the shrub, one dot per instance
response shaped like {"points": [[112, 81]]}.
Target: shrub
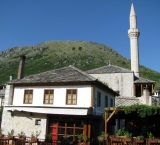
{"points": [[141, 137]]}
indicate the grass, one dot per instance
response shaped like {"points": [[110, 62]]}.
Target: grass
{"points": [[56, 54]]}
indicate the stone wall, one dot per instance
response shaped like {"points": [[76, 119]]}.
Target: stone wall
{"points": [[23, 121], [8, 94], [122, 82]]}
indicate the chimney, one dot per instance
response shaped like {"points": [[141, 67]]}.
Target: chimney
{"points": [[21, 67], [146, 96], [11, 77]]}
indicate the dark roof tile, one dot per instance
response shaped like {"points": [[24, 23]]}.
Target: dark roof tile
{"points": [[65, 74], [142, 80], [108, 69]]}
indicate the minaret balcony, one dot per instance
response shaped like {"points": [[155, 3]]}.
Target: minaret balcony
{"points": [[133, 32]]}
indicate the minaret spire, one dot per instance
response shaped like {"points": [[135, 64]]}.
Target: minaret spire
{"points": [[133, 34], [133, 23], [132, 12]]}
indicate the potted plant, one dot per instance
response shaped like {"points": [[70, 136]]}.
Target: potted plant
{"points": [[10, 134], [140, 139], [100, 139], [151, 138], [80, 138], [34, 136], [128, 136], [121, 132], [1, 135], [103, 137], [22, 136], [85, 140], [48, 138]]}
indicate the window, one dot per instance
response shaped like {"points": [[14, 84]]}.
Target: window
{"points": [[28, 96], [71, 98], [67, 129], [38, 122], [48, 96], [98, 99], [106, 101], [111, 102]]}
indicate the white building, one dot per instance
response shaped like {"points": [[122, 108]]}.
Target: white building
{"points": [[64, 102]]}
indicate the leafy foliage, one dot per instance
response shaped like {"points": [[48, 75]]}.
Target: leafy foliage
{"points": [[36, 134], [80, 136], [48, 136], [102, 137], [121, 132], [140, 137], [150, 135], [11, 132], [127, 134], [21, 134], [57, 54], [141, 109]]}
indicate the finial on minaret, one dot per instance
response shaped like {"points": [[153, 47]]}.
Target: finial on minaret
{"points": [[133, 34]]}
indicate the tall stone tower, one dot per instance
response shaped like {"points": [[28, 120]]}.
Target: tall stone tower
{"points": [[133, 34]]}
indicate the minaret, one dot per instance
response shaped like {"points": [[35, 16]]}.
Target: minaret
{"points": [[133, 34]]}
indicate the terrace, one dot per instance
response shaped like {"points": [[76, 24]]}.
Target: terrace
{"points": [[141, 124]]}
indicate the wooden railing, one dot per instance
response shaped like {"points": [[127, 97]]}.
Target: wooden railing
{"points": [[110, 141], [132, 141], [5, 140]]}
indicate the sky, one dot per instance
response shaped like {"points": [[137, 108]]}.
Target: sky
{"points": [[31, 22]]}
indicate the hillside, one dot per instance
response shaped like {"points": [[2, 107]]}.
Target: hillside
{"points": [[56, 54]]}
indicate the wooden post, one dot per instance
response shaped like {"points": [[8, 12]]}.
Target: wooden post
{"points": [[84, 129], [89, 133], [105, 121], [152, 88]]}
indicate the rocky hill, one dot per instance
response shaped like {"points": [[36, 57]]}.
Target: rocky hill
{"points": [[56, 54]]}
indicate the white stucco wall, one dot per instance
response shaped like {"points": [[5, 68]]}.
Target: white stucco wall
{"points": [[99, 110], [23, 121], [122, 82], [83, 93]]}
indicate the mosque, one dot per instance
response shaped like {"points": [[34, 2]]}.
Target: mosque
{"points": [[127, 83]]}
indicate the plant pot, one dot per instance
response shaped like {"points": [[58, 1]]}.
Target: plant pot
{"points": [[128, 139], [34, 139], [10, 136], [152, 140], [84, 143], [1, 135], [115, 139], [140, 141], [79, 142], [22, 138]]}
